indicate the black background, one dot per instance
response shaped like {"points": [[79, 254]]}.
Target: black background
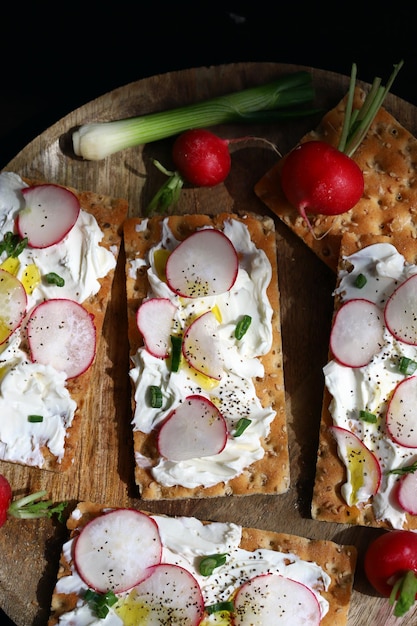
{"points": [[55, 57]]}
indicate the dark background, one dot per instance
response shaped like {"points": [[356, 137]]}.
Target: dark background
{"points": [[55, 57]]}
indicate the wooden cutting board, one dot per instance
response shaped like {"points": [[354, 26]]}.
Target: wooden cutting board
{"points": [[104, 471]]}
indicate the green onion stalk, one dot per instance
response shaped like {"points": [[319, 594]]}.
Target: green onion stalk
{"points": [[279, 100]]}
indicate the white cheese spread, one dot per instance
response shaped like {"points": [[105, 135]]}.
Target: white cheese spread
{"points": [[185, 540], [235, 394], [32, 389], [369, 387]]}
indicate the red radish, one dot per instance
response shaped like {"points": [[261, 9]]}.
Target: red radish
{"points": [[61, 333], [169, 595], [364, 470], [204, 264], [201, 157], [357, 333], [13, 304], [195, 429], [201, 346], [400, 311], [407, 492], [50, 213], [274, 599], [401, 413], [5, 498], [319, 179], [114, 550], [155, 321]]}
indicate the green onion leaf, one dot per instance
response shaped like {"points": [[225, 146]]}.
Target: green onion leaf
{"points": [[209, 563], [100, 602], [242, 326], [98, 140], [176, 343], [241, 426], [13, 244], [35, 418], [155, 396], [220, 606], [360, 281], [367, 416], [407, 469], [54, 279], [407, 366]]}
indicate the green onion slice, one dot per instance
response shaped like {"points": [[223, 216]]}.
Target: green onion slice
{"points": [[220, 606], [242, 326], [210, 562], [407, 469], [100, 602], [407, 366], [367, 416], [176, 343], [35, 418], [155, 396], [360, 281], [54, 279], [241, 426]]}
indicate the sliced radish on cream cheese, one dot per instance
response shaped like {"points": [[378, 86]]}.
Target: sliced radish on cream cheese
{"points": [[115, 551], [274, 599], [407, 492], [357, 333], [204, 264], [201, 346], [61, 333], [50, 213], [400, 311], [195, 429], [363, 469], [401, 413], [155, 321], [13, 304], [169, 595]]}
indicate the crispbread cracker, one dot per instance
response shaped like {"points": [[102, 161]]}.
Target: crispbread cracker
{"points": [[388, 208], [338, 561], [327, 501], [271, 473], [110, 214]]}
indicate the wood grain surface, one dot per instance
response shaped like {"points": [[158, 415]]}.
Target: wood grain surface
{"points": [[103, 471]]}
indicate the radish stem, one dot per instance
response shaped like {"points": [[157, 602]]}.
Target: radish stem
{"points": [[267, 102]]}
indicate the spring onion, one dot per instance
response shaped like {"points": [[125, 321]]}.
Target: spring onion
{"points": [[100, 602], [264, 103], [54, 279], [241, 426], [242, 326], [220, 606], [367, 416], [209, 563], [407, 469], [360, 281], [407, 366], [176, 343], [155, 396], [33, 419]]}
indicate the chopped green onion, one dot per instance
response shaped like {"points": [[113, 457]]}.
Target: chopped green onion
{"points": [[155, 396], [209, 563], [360, 281], [242, 326], [100, 602], [54, 279], [367, 416], [98, 140], [176, 343], [241, 426], [407, 366], [35, 418], [357, 122], [407, 469], [220, 606], [13, 244]]}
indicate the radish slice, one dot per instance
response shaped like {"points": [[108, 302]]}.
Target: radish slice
{"points": [[155, 321], [194, 430], [115, 550], [169, 595], [13, 304], [357, 333], [407, 493], [201, 346], [401, 413], [274, 599], [61, 333], [364, 470], [50, 213], [204, 264], [400, 311]]}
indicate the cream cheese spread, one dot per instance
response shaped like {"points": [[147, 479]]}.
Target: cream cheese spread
{"points": [[235, 394], [185, 540], [28, 388], [369, 387]]}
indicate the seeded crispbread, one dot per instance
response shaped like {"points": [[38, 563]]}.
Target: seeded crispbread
{"points": [[327, 501], [110, 214], [388, 207], [338, 561], [271, 473]]}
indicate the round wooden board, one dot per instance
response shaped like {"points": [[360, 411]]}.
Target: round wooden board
{"points": [[103, 470]]}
